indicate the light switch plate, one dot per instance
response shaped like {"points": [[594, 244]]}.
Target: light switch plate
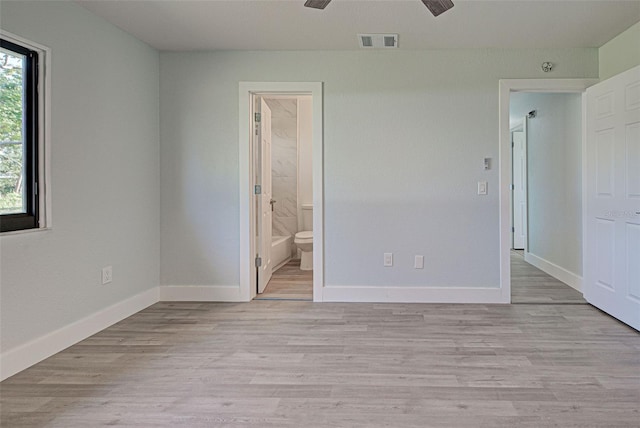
{"points": [[107, 274], [419, 263], [482, 187], [388, 259]]}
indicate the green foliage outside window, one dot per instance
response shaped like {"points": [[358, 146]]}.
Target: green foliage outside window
{"points": [[11, 138]]}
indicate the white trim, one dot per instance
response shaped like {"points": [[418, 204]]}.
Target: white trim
{"points": [[525, 174], [519, 126], [561, 274], [247, 228], [584, 189], [30, 353], [505, 88], [44, 127], [355, 293], [201, 293]]}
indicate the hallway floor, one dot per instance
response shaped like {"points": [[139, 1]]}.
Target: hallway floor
{"points": [[531, 285]]}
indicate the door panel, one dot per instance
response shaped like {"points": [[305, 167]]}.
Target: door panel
{"points": [[605, 249], [612, 192], [264, 134], [604, 162], [633, 256], [633, 159]]}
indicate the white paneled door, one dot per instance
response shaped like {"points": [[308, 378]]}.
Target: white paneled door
{"points": [[263, 125], [612, 217], [519, 190]]}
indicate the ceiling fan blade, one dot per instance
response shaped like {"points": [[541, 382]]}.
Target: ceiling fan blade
{"points": [[438, 6], [317, 4]]}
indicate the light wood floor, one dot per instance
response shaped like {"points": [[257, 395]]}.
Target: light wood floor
{"points": [[304, 364], [531, 285], [289, 283]]}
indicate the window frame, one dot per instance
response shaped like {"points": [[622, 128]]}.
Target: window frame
{"points": [[36, 133]]}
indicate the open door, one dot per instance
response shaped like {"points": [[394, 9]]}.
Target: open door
{"points": [[263, 126], [519, 189], [612, 211]]}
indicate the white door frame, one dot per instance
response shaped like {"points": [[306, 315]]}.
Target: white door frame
{"points": [[507, 86], [248, 278]]}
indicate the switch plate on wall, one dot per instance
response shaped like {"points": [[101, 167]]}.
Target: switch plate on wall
{"points": [[487, 163], [482, 187], [388, 259], [419, 263], [107, 275]]}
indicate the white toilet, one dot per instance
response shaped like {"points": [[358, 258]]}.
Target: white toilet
{"points": [[304, 239]]}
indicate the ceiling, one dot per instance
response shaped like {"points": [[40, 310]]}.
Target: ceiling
{"points": [[288, 25]]}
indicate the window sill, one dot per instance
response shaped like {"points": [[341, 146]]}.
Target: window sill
{"points": [[24, 231]]}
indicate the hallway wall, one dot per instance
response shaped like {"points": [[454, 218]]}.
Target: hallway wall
{"points": [[554, 147]]}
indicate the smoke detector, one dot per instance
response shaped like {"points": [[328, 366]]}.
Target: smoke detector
{"points": [[378, 41]]}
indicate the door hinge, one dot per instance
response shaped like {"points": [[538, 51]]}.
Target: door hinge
{"points": [[257, 117], [256, 129], [35, 188], [258, 262], [257, 189], [513, 229], [512, 187]]}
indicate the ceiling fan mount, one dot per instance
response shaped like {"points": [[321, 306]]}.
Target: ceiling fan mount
{"points": [[436, 7]]}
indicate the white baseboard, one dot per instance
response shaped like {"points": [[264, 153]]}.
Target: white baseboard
{"points": [[30, 353], [412, 294], [561, 274], [200, 293]]}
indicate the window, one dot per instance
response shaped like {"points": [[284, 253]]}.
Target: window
{"points": [[19, 171]]}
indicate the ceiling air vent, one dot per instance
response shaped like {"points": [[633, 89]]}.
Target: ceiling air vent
{"points": [[390, 41], [378, 41]]}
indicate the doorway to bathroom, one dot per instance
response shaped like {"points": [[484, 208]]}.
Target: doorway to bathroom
{"points": [[281, 197], [284, 169]]}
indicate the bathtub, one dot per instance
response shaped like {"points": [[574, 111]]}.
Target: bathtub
{"points": [[280, 251]]}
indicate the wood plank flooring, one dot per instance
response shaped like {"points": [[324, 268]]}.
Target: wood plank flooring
{"points": [[289, 283], [531, 285], [303, 364]]}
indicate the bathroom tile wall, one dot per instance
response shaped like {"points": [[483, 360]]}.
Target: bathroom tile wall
{"points": [[284, 168]]}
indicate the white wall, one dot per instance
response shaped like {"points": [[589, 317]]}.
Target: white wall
{"points": [[405, 134], [554, 148], [105, 175], [621, 53]]}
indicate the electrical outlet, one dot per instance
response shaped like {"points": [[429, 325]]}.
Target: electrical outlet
{"points": [[388, 259], [107, 275], [419, 263]]}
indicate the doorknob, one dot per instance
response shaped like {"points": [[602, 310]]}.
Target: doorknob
{"points": [[272, 202]]}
